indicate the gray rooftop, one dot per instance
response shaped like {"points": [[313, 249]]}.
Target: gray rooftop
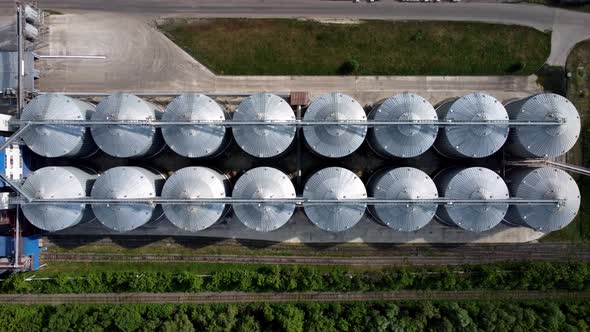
{"points": [[264, 182], [403, 183], [191, 183], [403, 141], [9, 71], [335, 183]]}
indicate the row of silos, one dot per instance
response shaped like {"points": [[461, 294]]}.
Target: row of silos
{"points": [[327, 140], [333, 183]]}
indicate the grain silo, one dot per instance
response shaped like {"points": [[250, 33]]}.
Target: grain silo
{"points": [[32, 15], [127, 182], [125, 141], [54, 141], [195, 183], [334, 141], [543, 141], [543, 183], [403, 183], [475, 183], [264, 183], [58, 183], [334, 183], [264, 141], [31, 32], [403, 141], [471, 140], [195, 141]]}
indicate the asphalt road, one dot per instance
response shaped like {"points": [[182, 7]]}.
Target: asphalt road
{"points": [[536, 16]]}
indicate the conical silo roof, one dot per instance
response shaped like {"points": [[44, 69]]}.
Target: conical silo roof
{"points": [[335, 183], [58, 140], [334, 141], [126, 141], [543, 183], [471, 141], [543, 141], [472, 183], [264, 141], [403, 141], [194, 141], [127, 182], [193, 183], [261, 183], [56, 183], [403, 183]]}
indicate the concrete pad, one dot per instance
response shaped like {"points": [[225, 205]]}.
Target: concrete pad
{"points": [[300, 230], [138, 57]]}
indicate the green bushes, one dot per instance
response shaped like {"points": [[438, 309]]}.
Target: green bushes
{"points": [[286, 278], [309, 317], [349, 67]]}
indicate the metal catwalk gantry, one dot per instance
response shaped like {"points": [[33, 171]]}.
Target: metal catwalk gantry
{"points": [[25, 198]]}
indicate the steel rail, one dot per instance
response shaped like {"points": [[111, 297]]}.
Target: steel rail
{"points": [[296, 201], [545, 162], [14, 136], [161, 94], [298, 123], [16, 187], [42, 56], [278, 297]]}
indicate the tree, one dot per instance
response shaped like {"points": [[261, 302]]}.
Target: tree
{"points": [[126, 318], [249, 324], [180, 323], [289, 318], [16, 283]]}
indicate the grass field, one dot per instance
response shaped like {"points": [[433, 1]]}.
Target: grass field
{"points": [[295, 47], [578, 91]]}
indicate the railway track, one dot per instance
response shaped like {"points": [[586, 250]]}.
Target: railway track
{"points": [[246, 297], [415, 255], [171, 243]]}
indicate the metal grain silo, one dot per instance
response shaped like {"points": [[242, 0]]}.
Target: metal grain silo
{"points": [[471, 183], [195, 141], [543, 141], [194, 183], [125, 141], [263, 183], [264, 141], [403, 183], [403, 141], [334, 141], [334, 183], [543, 183], [58, 183], [31, 32], [32, 15], [471, 141], [58, 140], [127, 182]]}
